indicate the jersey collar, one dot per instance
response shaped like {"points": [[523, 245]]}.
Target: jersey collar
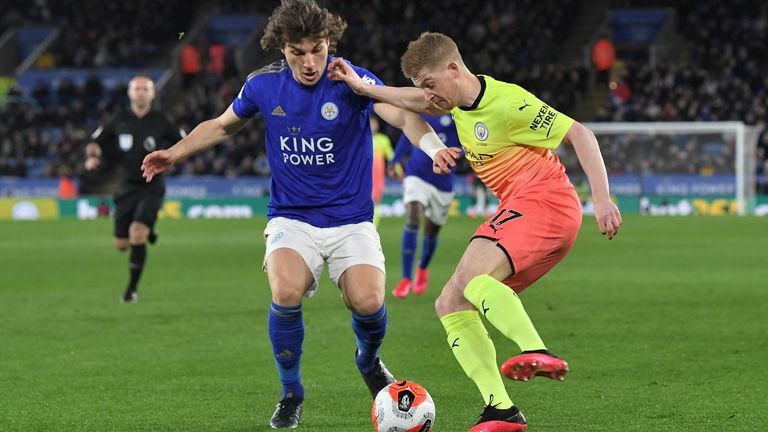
{"points": [[479, 97]]}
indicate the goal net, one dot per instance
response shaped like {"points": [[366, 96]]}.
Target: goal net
{"points": [[674, 168]]}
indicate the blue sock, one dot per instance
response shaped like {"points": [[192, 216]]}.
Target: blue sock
{"points": [[427, 250], [286, 331], [410, 236], [370, 331]]}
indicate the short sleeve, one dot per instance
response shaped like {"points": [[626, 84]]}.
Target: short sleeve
{"points": [[533, 122], [244, 104], [370, 78]]}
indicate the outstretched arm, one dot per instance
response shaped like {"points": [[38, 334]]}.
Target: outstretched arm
{"points": [[587, 150], [419, 131], [409, 98], [206, 134]]}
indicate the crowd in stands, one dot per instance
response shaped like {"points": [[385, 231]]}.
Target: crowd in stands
{"points": [[377, 35], [520, 42]]}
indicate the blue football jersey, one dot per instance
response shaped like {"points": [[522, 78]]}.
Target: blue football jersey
{"points": [[319, 145], [419, 164]]}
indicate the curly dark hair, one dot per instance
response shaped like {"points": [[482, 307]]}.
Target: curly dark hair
{"points": [[295, 20]]}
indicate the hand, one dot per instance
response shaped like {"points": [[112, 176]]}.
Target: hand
{"points": [[339, 70], [92, 162], [156, 163], [395, 171], [608, 218], [445, 160]]}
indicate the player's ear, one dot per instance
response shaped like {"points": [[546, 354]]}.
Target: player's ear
{"points": [[453, 67]]}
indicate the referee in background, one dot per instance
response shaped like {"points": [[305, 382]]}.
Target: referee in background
{"points": [[125, 140]]}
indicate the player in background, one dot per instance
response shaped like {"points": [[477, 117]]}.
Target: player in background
{"points": [[480, 203], [508, 135], [427, 196], [320, 151], [125, 140], [382, 153]]}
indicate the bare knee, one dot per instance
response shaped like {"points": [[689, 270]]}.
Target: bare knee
{"points": [[284, 294], [366, 305], [121, 244], [138, 233], [451, 299]]}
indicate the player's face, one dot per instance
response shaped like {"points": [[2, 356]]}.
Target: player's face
{"points": [[439, 86], [307, 59], [141, 91]]}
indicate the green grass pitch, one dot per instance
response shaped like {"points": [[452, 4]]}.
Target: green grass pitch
{"points": [[665, 329]]}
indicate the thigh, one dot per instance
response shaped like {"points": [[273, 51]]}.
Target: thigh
{"points": [[362, 286], [283, 233], [534, 232], [289, 277], [351, 245]]}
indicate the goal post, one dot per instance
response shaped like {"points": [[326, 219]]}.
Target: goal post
{"points": [[677, 160]]}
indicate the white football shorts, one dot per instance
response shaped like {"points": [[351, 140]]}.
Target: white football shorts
{"points": [[436, 202], [341, 247]]}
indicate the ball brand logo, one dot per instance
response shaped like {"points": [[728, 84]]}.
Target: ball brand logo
{"points": [[481, 131], [405, 400], [329, 111], [427, 426]]}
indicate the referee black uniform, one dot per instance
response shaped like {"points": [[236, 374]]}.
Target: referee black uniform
{"points": [[125, 140]]}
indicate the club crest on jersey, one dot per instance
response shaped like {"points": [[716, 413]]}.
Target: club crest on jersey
{"points": [[445, 120], [150, 144], [329, 111], [125, 141], [481, 131]]}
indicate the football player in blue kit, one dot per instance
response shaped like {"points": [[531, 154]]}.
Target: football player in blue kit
{"points": [[320, 151], [426, 194]]}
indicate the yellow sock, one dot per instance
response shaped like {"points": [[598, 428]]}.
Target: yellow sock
{"points": [[502, 308], [476, 354]]}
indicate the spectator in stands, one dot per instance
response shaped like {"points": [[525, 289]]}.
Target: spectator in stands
{"points": [[603, 58], [190, 64]]}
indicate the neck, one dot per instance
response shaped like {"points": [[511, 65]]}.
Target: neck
{"points": [[470, 88], [140, 112]]}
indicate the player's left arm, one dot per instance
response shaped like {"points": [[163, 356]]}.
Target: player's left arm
{"points": [[419, 131], [584, 142]]}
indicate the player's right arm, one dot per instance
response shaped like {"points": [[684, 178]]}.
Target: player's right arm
{"points": [[409, 98], [205, 135]]}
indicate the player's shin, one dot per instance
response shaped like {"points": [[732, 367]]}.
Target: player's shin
{"points": [[503, 309], [410, 237], [369, 332], [286, 331], [428, 249], [137, 259], [474, 350]]}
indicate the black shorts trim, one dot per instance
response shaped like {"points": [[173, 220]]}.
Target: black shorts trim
{"points": [[509, 257]]}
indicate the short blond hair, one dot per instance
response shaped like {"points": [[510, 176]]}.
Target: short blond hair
{"points": [[430, 50]]}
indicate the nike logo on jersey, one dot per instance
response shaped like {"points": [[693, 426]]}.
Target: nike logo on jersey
{"points": [[278, 111]]}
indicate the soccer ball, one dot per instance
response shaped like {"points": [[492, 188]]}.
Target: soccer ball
{"points": [[403, 406]]}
